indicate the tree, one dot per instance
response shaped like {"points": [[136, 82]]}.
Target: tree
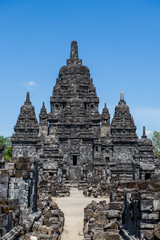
{"points": [[6, 142], [156, 142]]}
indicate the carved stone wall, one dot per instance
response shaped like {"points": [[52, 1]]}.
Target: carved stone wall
{"points": [[24, 150]]}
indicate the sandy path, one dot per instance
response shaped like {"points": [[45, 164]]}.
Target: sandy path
{"points": [[73, 208]]}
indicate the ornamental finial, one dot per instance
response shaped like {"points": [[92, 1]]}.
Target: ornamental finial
{"points": [[27, 98], [74, 50], [144, 133], [122, 96]]}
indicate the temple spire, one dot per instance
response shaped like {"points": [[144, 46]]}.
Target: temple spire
{"points": [[43, 110], [43, 116], [122, 101], [144, 133], [122, 96], [74, 54], [27, 98], [123, 128], [26, 128], [105, 115], [74, 50]]}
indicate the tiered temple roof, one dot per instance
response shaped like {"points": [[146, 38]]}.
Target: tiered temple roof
{"points": [[146, 149], [123, 128], [26, 128], [43, 117], [74, 100], [105, 115]]}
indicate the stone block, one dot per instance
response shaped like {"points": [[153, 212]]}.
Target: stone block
{"points": [[43, 229], [111, 225], [116, 206], [150, 195], [113, 214], [108, 236], [4, 178], [55, 227], [147, 225], [157, 233], [89, 213], [150, 216], [147, 234], [146, 205], [156, 205]]}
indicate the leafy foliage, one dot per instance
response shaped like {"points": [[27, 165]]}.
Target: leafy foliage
{"points": [[156, 142], [6, 142]]}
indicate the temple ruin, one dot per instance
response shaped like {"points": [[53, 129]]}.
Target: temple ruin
{"points": [[74, 139], [74, 144]]}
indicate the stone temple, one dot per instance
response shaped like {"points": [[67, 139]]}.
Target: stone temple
{"points": [[75, 149], [74, 141]]}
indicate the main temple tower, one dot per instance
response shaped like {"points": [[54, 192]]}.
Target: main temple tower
{"points": [[73, 142], [74, 119]]}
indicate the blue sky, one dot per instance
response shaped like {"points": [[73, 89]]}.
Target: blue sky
{"points": [[119, 40]]}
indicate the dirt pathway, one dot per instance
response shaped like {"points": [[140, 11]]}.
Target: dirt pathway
{"points": [[73, 208]]}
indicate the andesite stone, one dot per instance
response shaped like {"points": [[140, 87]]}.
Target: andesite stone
{"points": [[74, 143]]}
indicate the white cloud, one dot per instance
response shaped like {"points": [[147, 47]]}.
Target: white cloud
{"points": [[149, 133], [30, 84]]}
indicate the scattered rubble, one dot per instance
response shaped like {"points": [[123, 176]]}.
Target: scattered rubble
{"points": [[97, 187], [133, 213], [51, 186], [9, 216], [49, 224], [20, 212], [101, 221]]}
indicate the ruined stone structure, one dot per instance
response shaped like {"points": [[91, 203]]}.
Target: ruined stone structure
{"points": [[141, 208], [25, 138], [133, 213], [74, 141]]}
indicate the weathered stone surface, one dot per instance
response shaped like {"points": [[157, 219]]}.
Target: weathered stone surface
{"points": [[123, 128], [116, 205], [49, 222], [113, 214], [75, 144], [151, 216], [25, 138], [156, 205], [71, 141], [141, 209], [147, 205], [100, 222]]}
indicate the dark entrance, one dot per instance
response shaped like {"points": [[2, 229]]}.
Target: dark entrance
{"points": [[74, 160], [107, 159], [74, 168], [147, 176]]}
